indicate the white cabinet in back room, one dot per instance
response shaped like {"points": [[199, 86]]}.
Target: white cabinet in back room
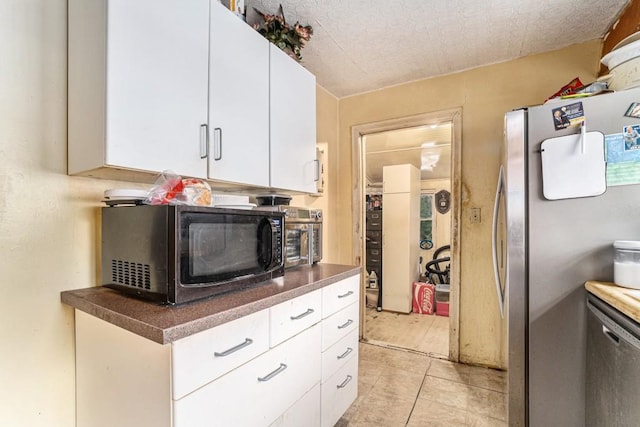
{"points": [[293, 125], [400, 236], [138, 79], [238, 101]]}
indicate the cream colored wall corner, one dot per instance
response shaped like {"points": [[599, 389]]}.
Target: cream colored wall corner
{"points": [[49, 222], [327, 137], [484, 94]]}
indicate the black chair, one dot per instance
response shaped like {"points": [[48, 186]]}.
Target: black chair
{"points": [[436, 270]]}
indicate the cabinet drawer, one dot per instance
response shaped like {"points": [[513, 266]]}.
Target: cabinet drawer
{"points": [[374, 254], [374, 224], [374, 262], [207, 355], [293, 316], [305, 412], [339, 392], [374, 215], [339, 353], [258, 392], [374, 244], [375, 235], [339, 325], [339, 295], [374, 239]]}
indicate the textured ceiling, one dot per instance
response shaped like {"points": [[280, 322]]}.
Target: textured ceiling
{"points": [[364, 45]]}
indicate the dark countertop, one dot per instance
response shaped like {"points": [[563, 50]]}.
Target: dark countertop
{"points": [[165, 324]]}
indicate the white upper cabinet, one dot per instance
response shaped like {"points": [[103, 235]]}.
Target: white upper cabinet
{"points": [[186, 86], [238, 101], [138, 84], [293, 125]]}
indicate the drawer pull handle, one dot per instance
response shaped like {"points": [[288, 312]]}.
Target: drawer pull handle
{"points": [[305, 314], [345, 382], [346, 295], [347, 323], [274, 373], [247, 341], [346, 353]]}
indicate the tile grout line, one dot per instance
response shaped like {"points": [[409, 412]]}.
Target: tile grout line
{"points": [[417, 395]]}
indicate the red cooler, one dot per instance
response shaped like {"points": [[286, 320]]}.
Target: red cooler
{"points": [[423, 297]]}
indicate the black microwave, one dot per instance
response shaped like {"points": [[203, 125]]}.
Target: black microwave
{"points": [[176, 254]]}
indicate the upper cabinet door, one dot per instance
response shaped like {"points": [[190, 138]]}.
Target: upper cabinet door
{"points": [[156, 84], [293, 125], [238, 101]]}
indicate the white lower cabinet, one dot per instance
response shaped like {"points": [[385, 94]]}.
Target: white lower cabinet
{"points": [[339, 392], [201, 358], [305, 412], [257, 393], [339, 353], [341, 314], [281, 366], [293, 316]]}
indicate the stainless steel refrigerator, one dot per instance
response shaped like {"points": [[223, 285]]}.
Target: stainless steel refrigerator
{"points": [[546, 247]]}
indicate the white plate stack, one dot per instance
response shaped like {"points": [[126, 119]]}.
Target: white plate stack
{"points": [[623, 63], [231, 201], [125, 196]]}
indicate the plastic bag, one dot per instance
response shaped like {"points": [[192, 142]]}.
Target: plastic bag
{"points": [[172, 189]]}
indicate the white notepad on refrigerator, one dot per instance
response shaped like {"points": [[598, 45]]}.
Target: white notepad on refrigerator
{"points": [[571, 169]]}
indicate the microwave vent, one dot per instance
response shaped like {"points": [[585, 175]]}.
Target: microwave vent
{"points": [[131, 274]]}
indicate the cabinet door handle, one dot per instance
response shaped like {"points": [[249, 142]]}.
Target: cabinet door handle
{"points": [[345, 382], [204, 141], [317, 162], [247, 341], [345, 295], [346, 353], [273, 373], [217, 143], [347, 323], [305, 314]]}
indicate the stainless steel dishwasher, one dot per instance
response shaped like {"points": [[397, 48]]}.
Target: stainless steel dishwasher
{"points": [[613, 367]]}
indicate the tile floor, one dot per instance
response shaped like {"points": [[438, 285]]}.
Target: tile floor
{"points": [[424, 333], [405, 378], [405, 388]]}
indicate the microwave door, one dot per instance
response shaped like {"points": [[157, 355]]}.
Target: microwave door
{"points": [[297, 244], [218, 247], [304, 245], [316, 243]]}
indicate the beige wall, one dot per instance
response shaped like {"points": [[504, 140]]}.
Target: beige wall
{"points": [[327, 137], [484, 94], [49, 225]]}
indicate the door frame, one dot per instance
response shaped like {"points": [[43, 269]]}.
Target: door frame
{"points": [[358, 179]]}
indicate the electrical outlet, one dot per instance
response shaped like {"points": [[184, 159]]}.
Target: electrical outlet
{"points": [[475, 216]]}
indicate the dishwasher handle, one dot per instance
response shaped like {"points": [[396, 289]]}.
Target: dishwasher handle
{"points": [[612, 330], [609, 334]]}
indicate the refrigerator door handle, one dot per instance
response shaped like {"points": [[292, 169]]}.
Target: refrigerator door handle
{"points": [[494, 240]]}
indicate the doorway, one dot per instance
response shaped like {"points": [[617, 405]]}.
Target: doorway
{"points": [[431, 144]]}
